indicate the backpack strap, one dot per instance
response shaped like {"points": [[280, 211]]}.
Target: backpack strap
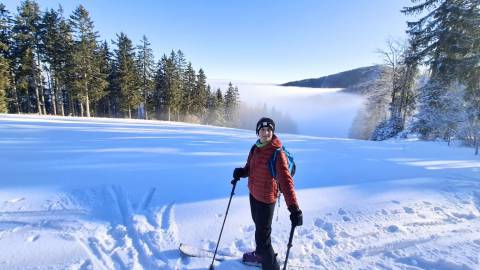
{"points": [[273, 163], [252, 149], [273, 172]]}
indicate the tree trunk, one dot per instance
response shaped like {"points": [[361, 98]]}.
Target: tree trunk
{"points": [[53, 92], [81, 109], [54, 97], [16, 103], [85, 88], [37, 96], [476, 143], [72, 110], [87, 105], [62, 107]]}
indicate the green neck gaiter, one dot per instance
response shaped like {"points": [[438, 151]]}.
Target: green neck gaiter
{"points": [[260, 145]]}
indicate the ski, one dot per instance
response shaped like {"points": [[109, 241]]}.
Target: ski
{"points": [[191, 251]]}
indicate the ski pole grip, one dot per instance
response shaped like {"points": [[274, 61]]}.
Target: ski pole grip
{"points": [[234, 181]]}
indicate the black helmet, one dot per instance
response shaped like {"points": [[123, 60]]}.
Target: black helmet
{"points": [[265, 122]]}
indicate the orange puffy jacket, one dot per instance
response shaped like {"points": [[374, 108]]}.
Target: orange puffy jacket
{"points": [[261, 184]]}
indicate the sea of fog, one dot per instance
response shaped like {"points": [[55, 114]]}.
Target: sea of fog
{"points": [[325, 112]]}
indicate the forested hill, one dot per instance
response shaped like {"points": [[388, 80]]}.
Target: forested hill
{"points": [[351, 80]]}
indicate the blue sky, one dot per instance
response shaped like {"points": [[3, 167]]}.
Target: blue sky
{"points": [[259, 41]]}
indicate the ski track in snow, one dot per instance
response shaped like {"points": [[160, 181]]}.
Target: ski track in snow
{"points": [[144, 239]]}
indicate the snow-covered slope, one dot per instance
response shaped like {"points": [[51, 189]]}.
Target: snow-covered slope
{"points": [[122, 194]]}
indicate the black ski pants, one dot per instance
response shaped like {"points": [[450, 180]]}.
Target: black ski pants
{"points": [[262, 215]]}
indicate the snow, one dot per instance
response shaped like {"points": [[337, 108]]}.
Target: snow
{"points": [[82, 193]]}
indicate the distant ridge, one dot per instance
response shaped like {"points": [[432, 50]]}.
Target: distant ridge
{"points": [[353, 80]]}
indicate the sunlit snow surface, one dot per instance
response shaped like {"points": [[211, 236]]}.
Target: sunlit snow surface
{"points": [[122, 194]]}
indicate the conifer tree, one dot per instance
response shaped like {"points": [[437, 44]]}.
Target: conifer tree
{"points": [[470, 71], [89, 86], [106, 105], [188, 91], [215, 108], [127, 78], [231, 103], [56, 39], [25, 56], [146, 65], [201, 94], [5, 32], [159, 90], [172, 92]]}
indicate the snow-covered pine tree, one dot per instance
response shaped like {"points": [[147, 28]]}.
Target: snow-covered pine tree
{"points": [[443, 41], [470, 71]]}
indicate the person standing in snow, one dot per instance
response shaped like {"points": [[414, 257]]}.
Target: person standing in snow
{"points": [[264, 192]]}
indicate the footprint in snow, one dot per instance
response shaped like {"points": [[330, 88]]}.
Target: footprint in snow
{"points": [[33, 238], [302, 231], [328, 227], [247, 229], [331, 242], [408, 210], [210, 245], [317, 260], [395, 201], [357, 254], [15, 200], [343, 213], [468, 216], [242, 245], [393, 228], [318, 245], [319, 222]]}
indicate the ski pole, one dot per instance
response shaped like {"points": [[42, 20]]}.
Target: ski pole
{"points": [[234, 183], [289, 246]]}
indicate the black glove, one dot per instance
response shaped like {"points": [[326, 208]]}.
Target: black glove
{"points": [[296, 216], [239, 173]]}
